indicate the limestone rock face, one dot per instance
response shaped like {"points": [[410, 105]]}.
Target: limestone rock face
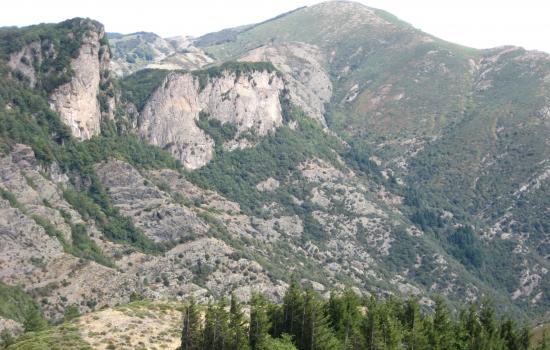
{"points": [[249, 101], [77, 101], [302, 66]]}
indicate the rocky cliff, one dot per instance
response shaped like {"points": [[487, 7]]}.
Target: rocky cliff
{"points": [[249, 101], [72, 65], [78, 100], [302, 65]]}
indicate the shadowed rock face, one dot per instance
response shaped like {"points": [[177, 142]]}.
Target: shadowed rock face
{"points": [[249, 101]]}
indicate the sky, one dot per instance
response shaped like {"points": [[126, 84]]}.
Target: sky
{"points": [[474, 23]]}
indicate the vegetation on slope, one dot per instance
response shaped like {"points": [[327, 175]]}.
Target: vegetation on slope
{"points": [[237, 68], [16, 304], [304, 321], [465, 149], [137, 87], [25, 117], [235, 174], [59, 43], [64, 337]]}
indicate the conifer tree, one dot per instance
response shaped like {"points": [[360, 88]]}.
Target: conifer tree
{"points": [[316, 332], [487, 318], [238, 339], [341, 323], [390, 325], [472, 326], [216, 329], [209, 333], [414, 334], [191, 334], [461, 333], [510, 335], [372, 326], [282, 343], [442, 331], [259, 322], [292, 310], [489, 338], [345, 316], [276, 316], [525, 337]]}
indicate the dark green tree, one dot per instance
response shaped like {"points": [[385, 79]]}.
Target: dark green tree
{"points": [[489, 338], [238, 339], [259, 322], [374, 337], [414, 336], [441, 337], [472, 327], [191, 333], [345, 316], [292, 310], [216, 328], [316, 331], [282, 343]]}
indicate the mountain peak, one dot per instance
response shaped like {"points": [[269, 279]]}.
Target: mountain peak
{"points": [[339, 9], [340, 5]]}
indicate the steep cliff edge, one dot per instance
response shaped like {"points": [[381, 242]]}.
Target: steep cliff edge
{"points": [[246, 99], [302, 65], [77, 101], [70, 61]]}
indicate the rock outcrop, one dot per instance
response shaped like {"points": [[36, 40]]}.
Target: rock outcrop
{"points": [[37, 261], [302, 66], [249, 101], [24, 61], [77, 101]]}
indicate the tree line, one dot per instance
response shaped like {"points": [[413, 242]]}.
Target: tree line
{"points": [[346, 321]]}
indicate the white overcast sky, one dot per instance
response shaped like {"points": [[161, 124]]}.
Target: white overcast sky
{"points": [[475, 23]]}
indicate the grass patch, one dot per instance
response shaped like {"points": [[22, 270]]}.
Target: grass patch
{"points": [[64, 337]]}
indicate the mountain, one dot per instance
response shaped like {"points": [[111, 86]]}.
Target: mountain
{"points": [[445, 120], [334, 143], [136, 51]]}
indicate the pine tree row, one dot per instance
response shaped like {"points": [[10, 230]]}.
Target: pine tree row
{"points": [[304, 321]]}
